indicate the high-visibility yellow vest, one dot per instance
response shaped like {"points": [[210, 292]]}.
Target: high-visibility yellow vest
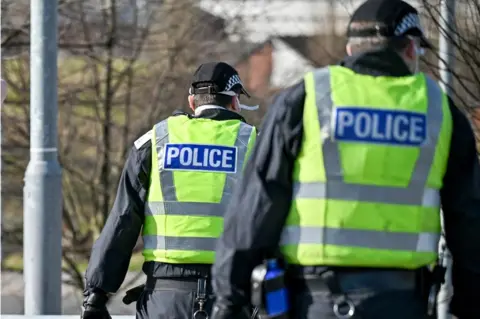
{"points": [[195, 164], [367, 179]]}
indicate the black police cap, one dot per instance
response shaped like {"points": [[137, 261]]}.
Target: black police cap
{"points": [[217, 78], [387, 18]]}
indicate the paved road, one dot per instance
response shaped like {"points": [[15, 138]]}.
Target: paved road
{"points": [[12, 297]]}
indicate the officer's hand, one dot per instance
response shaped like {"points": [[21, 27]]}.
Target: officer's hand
{"points": [[94, 306], [133, 294]]}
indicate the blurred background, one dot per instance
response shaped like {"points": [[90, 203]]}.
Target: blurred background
{"points": [[124, 65]]}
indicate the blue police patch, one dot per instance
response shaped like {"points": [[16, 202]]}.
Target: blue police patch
{"points": [[380, 126], [200, 157]]}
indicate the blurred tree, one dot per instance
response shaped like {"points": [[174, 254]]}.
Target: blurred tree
{"points": [[466, 43]]}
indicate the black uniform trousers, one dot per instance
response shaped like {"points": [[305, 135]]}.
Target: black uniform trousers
{"points": [[175, 299], [168, 304], [171, 299], [369, 305], [374, 295]]}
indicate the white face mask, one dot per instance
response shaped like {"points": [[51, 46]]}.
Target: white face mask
{"points": [[419, 51], [246, 107]]}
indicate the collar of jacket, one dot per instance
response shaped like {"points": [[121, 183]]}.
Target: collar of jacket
{"points": [[214, 112], [383, 62]]}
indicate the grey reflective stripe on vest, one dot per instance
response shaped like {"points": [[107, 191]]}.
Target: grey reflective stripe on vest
{"points": [[172, 206], [178, 243], [423, 242], [415, 194]]}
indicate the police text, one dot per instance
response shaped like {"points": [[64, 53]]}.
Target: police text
{"points": [[200, 157]]}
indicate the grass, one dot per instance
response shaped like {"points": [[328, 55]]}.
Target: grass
{"points": [[15, 262]]}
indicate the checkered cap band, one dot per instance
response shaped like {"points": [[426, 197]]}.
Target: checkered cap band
{"points": [[410, 21], [234, 80]]}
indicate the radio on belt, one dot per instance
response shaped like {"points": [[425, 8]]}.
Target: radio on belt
{"points": [[200, 157], [269, 292]]}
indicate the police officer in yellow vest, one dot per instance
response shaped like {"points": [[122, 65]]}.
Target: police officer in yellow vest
{"points": [[348, 178], [175, 185]]}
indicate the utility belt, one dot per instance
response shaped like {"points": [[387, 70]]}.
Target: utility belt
{"points": [[373, 279], [187, 284], [339, 282]]}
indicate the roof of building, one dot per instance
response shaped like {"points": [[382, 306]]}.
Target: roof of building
{"points": [[258, 20]]}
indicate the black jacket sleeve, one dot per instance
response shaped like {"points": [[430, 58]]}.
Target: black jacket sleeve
{"points": [[112, 251], [261, 202], [461, 211]]}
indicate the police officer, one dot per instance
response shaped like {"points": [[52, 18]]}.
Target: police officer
{"points": [[176, 182], [347, 179]]}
